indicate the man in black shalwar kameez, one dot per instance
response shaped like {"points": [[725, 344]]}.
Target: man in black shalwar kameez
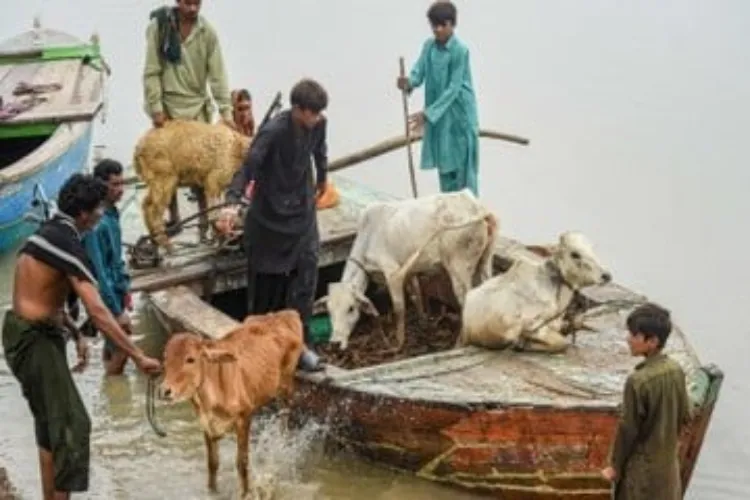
{"points": [[281, 225]]}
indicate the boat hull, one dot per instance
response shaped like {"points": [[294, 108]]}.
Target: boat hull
{"points": [[513, 453], [522, 447], [515, 425], [16, 198]]}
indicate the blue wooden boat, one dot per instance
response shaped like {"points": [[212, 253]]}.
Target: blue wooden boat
{"points": [[51, 88]]}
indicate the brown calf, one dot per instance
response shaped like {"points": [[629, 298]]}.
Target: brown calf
{"points": [[229, 379]]}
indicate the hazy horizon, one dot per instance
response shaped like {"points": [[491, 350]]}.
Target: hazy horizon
{"points": [[636, 112]]}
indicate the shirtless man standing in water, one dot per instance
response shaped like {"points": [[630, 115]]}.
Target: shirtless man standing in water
{"points": [[51, 264]]}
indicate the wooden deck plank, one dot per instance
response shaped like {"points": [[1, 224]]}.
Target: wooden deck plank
{"points": [[591, 373], [5, 69], [78, 99], [189, 312], [85, 99], [72, 102], [17, 73]]}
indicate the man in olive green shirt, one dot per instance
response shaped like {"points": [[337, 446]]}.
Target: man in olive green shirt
{"points": [[644, 464], [183, 59]]}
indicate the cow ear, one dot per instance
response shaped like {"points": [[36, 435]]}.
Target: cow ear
{"points": [[218, 355], [367, 306]]}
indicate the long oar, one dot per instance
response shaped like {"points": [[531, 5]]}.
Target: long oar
{"points": [[405, 99], [379, 149]]}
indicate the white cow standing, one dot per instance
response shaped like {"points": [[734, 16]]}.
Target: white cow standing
{"points": [[524, 307], [401, 238]]}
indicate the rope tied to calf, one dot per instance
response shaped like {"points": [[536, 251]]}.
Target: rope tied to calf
{"points": [[151, 406]]}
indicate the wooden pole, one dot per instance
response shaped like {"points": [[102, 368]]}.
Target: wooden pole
{"points": [[395, 143], [405, 100], [382, 148]]}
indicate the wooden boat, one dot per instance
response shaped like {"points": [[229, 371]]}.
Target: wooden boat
{"points": [[515, 425], [51, 90]]}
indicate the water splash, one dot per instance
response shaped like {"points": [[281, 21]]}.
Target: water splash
{"points": [[278, 458]]}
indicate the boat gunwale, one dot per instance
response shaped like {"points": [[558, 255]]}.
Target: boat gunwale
{"points": [[65, 133], [336, 380], [323, 382], [74, 42]]}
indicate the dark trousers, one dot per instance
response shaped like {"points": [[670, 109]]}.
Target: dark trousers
{"points": [[36, 356], [270, 292]]}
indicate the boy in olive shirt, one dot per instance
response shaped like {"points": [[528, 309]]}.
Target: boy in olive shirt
{"points": [[643, 463]]}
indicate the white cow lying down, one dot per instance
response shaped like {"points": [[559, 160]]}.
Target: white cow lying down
{"points": [[524, 306], [405, 237]]}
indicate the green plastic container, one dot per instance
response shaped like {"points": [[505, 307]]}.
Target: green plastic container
{"points": [[320, 329]]}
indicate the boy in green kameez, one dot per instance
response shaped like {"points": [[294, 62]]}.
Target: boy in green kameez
{"points": [[644, 464], [451, 126]]}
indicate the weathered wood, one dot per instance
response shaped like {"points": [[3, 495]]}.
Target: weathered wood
{"points": [[4, 71], [46, 56], [15, 74], [524, 452], [520, 452], [60, 72], [394, 143], [188, 312], [78, 99], [407, 127]]}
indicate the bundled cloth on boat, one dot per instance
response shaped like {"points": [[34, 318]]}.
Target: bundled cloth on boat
{"points": [[25, 88], [10, 110]]}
